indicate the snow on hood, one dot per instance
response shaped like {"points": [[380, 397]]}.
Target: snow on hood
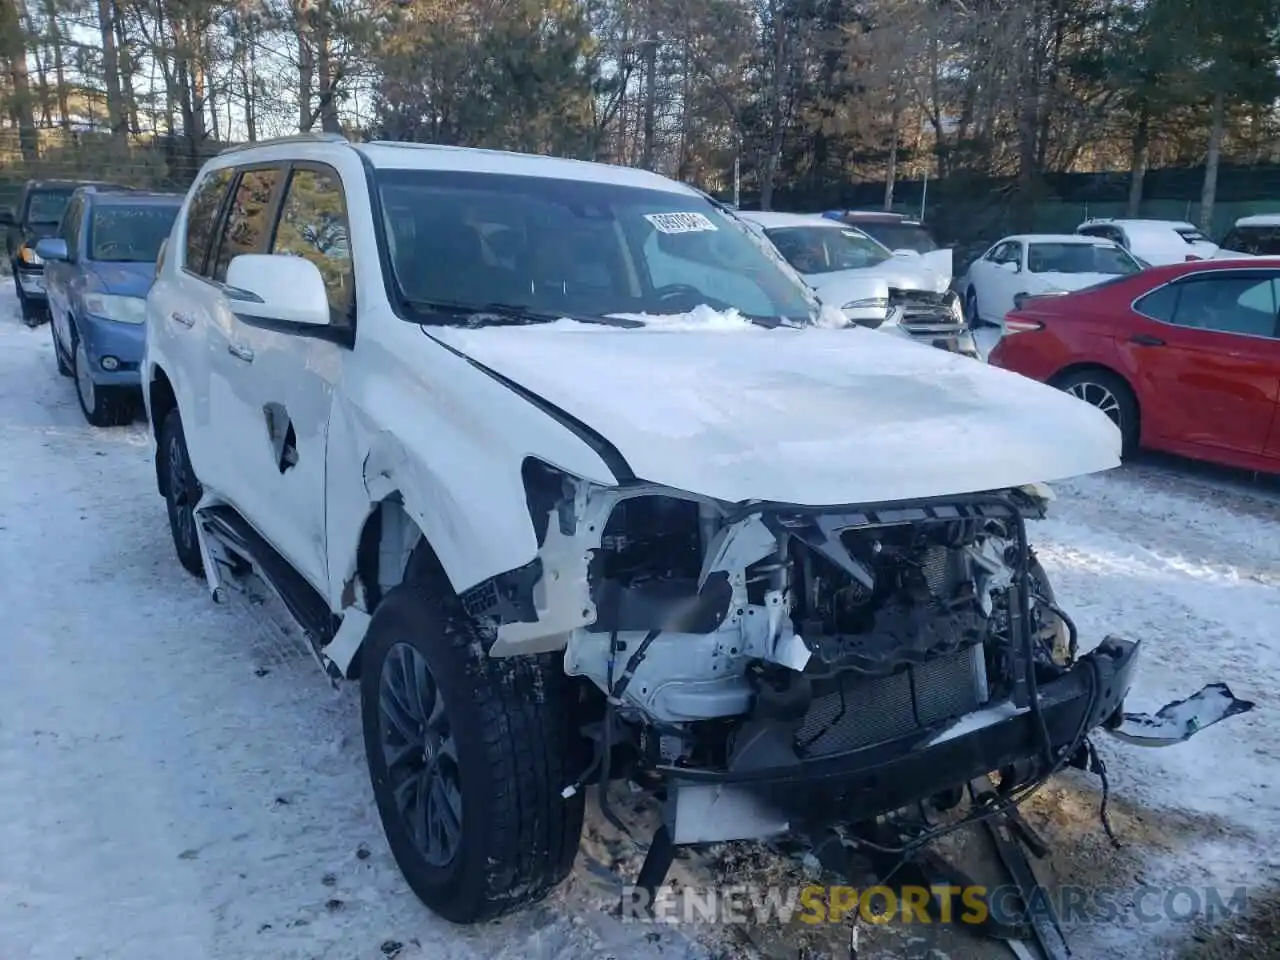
{"points": [[808, 416], [1072, 281], [699, 318]]}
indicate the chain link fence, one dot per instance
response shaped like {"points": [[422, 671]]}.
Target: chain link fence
{"points": [[152, 162], [971, 213]]}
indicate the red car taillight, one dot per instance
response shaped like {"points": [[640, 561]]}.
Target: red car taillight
{"points": [[1014, 325]]}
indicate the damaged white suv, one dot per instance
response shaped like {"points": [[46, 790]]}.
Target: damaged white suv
{"points": [[580, 485]]}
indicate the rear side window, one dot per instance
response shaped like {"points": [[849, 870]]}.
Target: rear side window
{"points": [[1241, 304], [202, 216], [248, 219], [1160, 304]]}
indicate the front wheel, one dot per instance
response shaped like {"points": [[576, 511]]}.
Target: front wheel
{"points": [[971, 308], [467, 756], [182, 492], [101, 406], [34, 312], [64, 368]]}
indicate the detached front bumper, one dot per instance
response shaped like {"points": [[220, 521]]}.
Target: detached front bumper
{"points": [[864, 783]]}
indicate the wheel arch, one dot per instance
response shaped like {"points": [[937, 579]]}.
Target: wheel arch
{"points": [[161, 399], [391, 549], [1092, 365]]}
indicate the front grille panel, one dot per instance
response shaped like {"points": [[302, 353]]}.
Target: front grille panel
{"points": [[861, 711], [924, 315]]}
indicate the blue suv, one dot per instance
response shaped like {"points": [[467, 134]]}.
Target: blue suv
{"points": [[98, 269]]}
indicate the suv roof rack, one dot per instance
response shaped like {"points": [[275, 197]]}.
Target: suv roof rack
{"points": [[292, 138]]}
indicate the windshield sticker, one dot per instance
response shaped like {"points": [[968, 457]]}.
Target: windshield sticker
{"points": [[680, 222]]}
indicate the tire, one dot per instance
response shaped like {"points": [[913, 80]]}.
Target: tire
{"points": [[101, 406], [33, 311], [182, 493], [64, 368], [971, 308], [1110, 394], [505, 749]]}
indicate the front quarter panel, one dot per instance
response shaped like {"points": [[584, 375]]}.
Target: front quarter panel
{"points": [[422, 425]]}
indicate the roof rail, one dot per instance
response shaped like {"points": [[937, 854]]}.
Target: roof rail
{"points": [[292, 138]]}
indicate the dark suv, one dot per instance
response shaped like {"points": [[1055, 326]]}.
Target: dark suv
{"points": [[36, 215]]}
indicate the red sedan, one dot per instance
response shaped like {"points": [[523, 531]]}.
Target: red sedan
{"points": [[1184, 358]]}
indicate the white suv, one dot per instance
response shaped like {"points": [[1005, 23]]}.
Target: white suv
{"points": [[1153, 242], [562, 465]]}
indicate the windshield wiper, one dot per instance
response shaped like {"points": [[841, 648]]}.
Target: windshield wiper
{"points": [[505, 314]]}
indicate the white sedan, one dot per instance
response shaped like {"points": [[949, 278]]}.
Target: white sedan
{"points": [[1038, 264]]}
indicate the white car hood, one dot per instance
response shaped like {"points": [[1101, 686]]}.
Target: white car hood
{"points": [[1071, 281], [815, 416], [899, 272]]}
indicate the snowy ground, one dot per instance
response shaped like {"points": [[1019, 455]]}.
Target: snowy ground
{"points": [[177, 779]]}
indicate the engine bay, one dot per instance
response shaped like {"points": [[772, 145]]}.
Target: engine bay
{"points": [[700, 623]]}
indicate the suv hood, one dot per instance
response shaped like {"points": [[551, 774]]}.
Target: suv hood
{"points": [[130, 279], [899, 273], [815, 416]]}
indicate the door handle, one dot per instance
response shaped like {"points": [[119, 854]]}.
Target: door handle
{"points": [[240, 353], [185, 319], [1146, 340]]}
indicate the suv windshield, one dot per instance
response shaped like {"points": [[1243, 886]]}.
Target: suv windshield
{"points": [[124, 233], [47, 206], [1080, 258], [1257, 241], [556, 248], [823, 249], [899, 235]]}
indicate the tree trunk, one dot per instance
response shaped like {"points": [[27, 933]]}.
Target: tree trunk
{"points": [[59, 64], [650, 92], [686, 85], [891, 173], [13, 51], [42, 77], [306, 66], [250, 81], [326, 73], [211, 100], [1138, 162], [1209, 191], [127, 68], [111, 68], [777, 112]]}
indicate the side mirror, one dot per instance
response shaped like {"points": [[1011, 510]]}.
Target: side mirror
{"points": [[1011, 265], [7, 219], [275, 286], [907, 254], [52, 248]]}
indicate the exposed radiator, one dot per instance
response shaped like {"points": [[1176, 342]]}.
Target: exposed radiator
{"points": [[862, 710]]}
